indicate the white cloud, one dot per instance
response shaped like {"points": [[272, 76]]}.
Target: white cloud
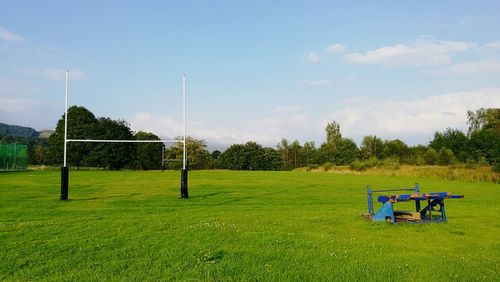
{"points": [[485, 67], [283, 122], [9, 36], [411, 117], [167, 127], [10, 88], [412, 120], [491, 47], [16, 105], [313, 58], [421, 52], [335, 48]]}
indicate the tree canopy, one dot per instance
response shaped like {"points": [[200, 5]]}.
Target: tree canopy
{"points": [[480, 145]]}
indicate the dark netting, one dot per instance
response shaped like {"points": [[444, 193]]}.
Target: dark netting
{"points": [[13, 157]]}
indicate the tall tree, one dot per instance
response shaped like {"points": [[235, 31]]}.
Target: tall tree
{"points": [[272, 159], [295, 150], [250, 156], [197, 155], [114, 156], [40, 155], [284, 151], [327, 152], [372, 146], [347, 151], [82, 124], [416, 155], [484, 118], [148, 155], [333, 135], [254, 156], [431, 156], [309, 154], [485, 144], [453, 139], [395, 149], [234, 157], [445, 156], [215, 159]]}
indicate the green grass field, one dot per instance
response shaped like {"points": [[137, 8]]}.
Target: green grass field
{"points": [[237, 226]]}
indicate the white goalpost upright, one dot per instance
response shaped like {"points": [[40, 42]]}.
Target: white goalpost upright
{"points": [[65, 168]]}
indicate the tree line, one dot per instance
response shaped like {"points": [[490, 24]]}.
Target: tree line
{"points": [[82, 124], [480, 145]]}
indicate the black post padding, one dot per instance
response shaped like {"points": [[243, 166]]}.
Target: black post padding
{"points": [[64, 183], [184, 184]]}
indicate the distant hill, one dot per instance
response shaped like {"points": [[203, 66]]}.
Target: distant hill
{"points": [[22, 131]]}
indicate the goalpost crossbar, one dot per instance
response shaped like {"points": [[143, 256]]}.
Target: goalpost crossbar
{"points": [[125, 141], [65, 168]]}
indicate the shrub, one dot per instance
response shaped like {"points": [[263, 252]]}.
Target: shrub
{"points": [[327, 166], [496, 167], [357, 165], [392, 163], [483, 162], [445, 156], [363, 165], [431, 156], [470, 164], [311, 167]]}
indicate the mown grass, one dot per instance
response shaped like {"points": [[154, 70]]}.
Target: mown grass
{"points": [[237, 226]]}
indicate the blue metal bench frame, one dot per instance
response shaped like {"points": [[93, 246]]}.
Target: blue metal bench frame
{"points": [[433, 199]]}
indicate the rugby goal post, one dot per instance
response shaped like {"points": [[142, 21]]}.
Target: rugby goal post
{"points": [[65, 168]]}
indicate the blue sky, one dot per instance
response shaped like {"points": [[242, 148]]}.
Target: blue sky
{"points": [[256, 70]]}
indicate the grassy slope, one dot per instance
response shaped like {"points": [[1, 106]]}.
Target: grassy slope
{"points": [[239, 226]]}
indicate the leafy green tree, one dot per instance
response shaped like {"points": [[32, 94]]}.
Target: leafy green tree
{"points": [[214, 161], [40, 154], [309, 154], [327, 152], [295, 150], [215, 155], [371, 146], [284, 151], [484, 119], [343, 153], [254, 156], [250, 156], [347, 151], [333, 135], [82, 124], [7, 139], [272, 160], [453, 139], [395, 149], [234, 157], [148, 155], [416, 155], [431, 156], [113, 156], [198, 156], [445, 156], [485, 144]]}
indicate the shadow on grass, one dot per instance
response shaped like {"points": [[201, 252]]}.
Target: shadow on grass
{"points": [[104, 197], [240, 199], [204, 196]]}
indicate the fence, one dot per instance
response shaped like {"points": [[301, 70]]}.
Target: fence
{"points": [[13, 157]]}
